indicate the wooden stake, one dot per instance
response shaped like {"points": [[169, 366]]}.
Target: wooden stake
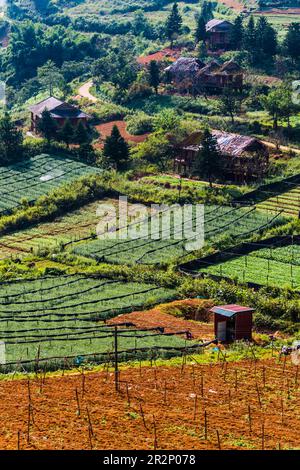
{"points": [[155, 433], [90, 423], [83, 383], [205, 425], [202, 386], [258, 394], [127, 393], [18, 440], [263, 436], [165, 393], [236, 380], [143, 417], [218, 438], [250, 419], [195, 407], [77, 400]]}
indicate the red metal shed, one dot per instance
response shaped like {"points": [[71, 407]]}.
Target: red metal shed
{"points": [[232, 322]]}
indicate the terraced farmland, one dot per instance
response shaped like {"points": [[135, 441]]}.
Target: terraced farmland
{"points": [[36, 177], [63, 316], [220, 222], [288, 202], [71, 226], [279, 267]]}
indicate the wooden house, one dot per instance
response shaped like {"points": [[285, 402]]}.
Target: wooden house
{"points": [[218, 34], [194, 76], [232, 322], [242, 158], [59, 111]]}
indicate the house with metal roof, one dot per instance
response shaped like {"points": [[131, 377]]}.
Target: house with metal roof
{"points": [[59, 110], [242, 158], [218, 34]]}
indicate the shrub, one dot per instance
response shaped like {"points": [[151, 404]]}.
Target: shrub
{"points": [[139, 124]]}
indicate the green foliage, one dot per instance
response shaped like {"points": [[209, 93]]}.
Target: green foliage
{"points": [[174, 24], [116, 149], [156, 149], [11, 141], [154, 75], [207, 161], [200, 33], [139, 123], [46, 126]]}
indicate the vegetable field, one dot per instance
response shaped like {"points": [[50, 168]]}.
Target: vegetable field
{"points": [[63, 316], [220, 222], [50, 235], [288, 202], [278, 267], [36, 177]]}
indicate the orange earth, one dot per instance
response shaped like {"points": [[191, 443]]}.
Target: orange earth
{"points": [[106, 128], [245, 405]]}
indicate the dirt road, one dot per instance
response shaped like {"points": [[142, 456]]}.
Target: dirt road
{"points": [[84, 91]]}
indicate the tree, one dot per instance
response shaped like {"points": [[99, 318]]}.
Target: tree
{"points": [[11, 141], [66, 133], [237, 33], [249, 42], [292, 41], [266, 39], [155, 150], [200, 33], [49, 77], [174, 24], [81, 135], [47, 126], [116, 149], [207, 11], [229, 103], [207, 163], [278, 103], [154, 75]]}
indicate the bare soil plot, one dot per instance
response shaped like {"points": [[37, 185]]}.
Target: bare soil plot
{"points": [[244, 405], [106, 128], [154, 318]]}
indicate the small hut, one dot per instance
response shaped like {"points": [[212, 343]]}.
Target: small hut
{"points": [[218, 34], [232, 322]]}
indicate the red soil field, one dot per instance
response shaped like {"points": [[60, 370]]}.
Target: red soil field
{"points": [[164, 54], [156, 407], [106, 128], [234, 4], [154, 317]]}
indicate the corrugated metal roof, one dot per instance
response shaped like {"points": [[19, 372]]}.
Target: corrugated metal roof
{"points": [[230, 310], [228, 143], [213, 23]]}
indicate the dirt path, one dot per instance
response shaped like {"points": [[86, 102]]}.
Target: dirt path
{"points": [[283, 148], [84, 91]]}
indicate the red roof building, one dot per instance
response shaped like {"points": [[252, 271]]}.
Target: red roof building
{"points": [[232, 322]]}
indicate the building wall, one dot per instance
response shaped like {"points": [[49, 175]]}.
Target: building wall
{"points": [[243, 326]]}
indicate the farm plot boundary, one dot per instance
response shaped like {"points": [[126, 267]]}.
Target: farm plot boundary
{"points": [[264, 250]]}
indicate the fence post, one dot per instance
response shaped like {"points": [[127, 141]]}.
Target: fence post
{"points": [[116, 360]]}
